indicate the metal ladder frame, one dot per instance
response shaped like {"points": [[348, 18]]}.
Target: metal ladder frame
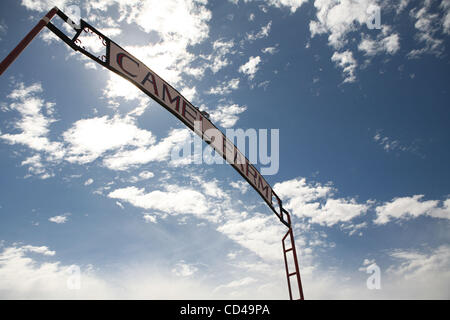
{"points": [[290, 233]]}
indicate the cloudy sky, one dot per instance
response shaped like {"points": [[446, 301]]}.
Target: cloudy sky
{"points": [[88, 181]]}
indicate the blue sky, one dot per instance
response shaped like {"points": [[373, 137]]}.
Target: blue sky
{"points": [[88, 181]]}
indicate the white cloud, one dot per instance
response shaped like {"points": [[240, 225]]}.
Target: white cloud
{"points": [[411, 207], [390, 144], [37, 167], [402, 5], [119, 204], [445, 5], [188, 19], [43, 5], [22, 277], [36, 116], [88, 139], [258, 233], [315, 202], [427, 25], [58, 219], [41, 250], [144, 175], [346, 61], [250, 67], [225, 88], [240, 185], [263, 33], [385, 42], [415, 263], [270, 50], [217, 60], [172, 27], [416, 274], [173, 200], [117, 87], [90, 65], [353, 228], [213, 190], [338, 18], [227, 115], [183, 269], [149, 218], [161, 151], [88, 181], [292, 5]]}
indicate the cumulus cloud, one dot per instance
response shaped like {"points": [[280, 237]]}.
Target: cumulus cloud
{"points": [[250, 67], [445, 5], [41, 250], [26, 276], [227, 115], [411, 207], [346, 61], [415, 263], [169, 47], [36, 116], [338, 18], [23, 277], [414, 273], [270, 50], [217, 59], [316, 202], [144, 175], [149, 218], [263, 33], [116, 140], [59, 219], [173, 200], [88, 139], [240, 185], [43, 5], [258, 233], [428, 25], [385, 42], [225, 88], [292, 5], [124, 158]]}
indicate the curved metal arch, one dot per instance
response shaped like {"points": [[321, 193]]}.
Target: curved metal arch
{"points": [[154, 86]]}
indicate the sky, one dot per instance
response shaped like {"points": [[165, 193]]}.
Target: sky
{"points": [[93, 205]]}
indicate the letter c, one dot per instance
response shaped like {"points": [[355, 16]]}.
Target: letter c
{"points": [[120, 57]]}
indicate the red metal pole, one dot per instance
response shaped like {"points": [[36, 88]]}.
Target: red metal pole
{"points": [[286, 266], [26, 41], [294, 252], [294, 255]]}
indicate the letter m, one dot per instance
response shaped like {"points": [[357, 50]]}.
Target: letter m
{"points": [[261, 185], [177, 98]]}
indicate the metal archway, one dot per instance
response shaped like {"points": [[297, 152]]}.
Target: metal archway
{"points": [[130, 68]]}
